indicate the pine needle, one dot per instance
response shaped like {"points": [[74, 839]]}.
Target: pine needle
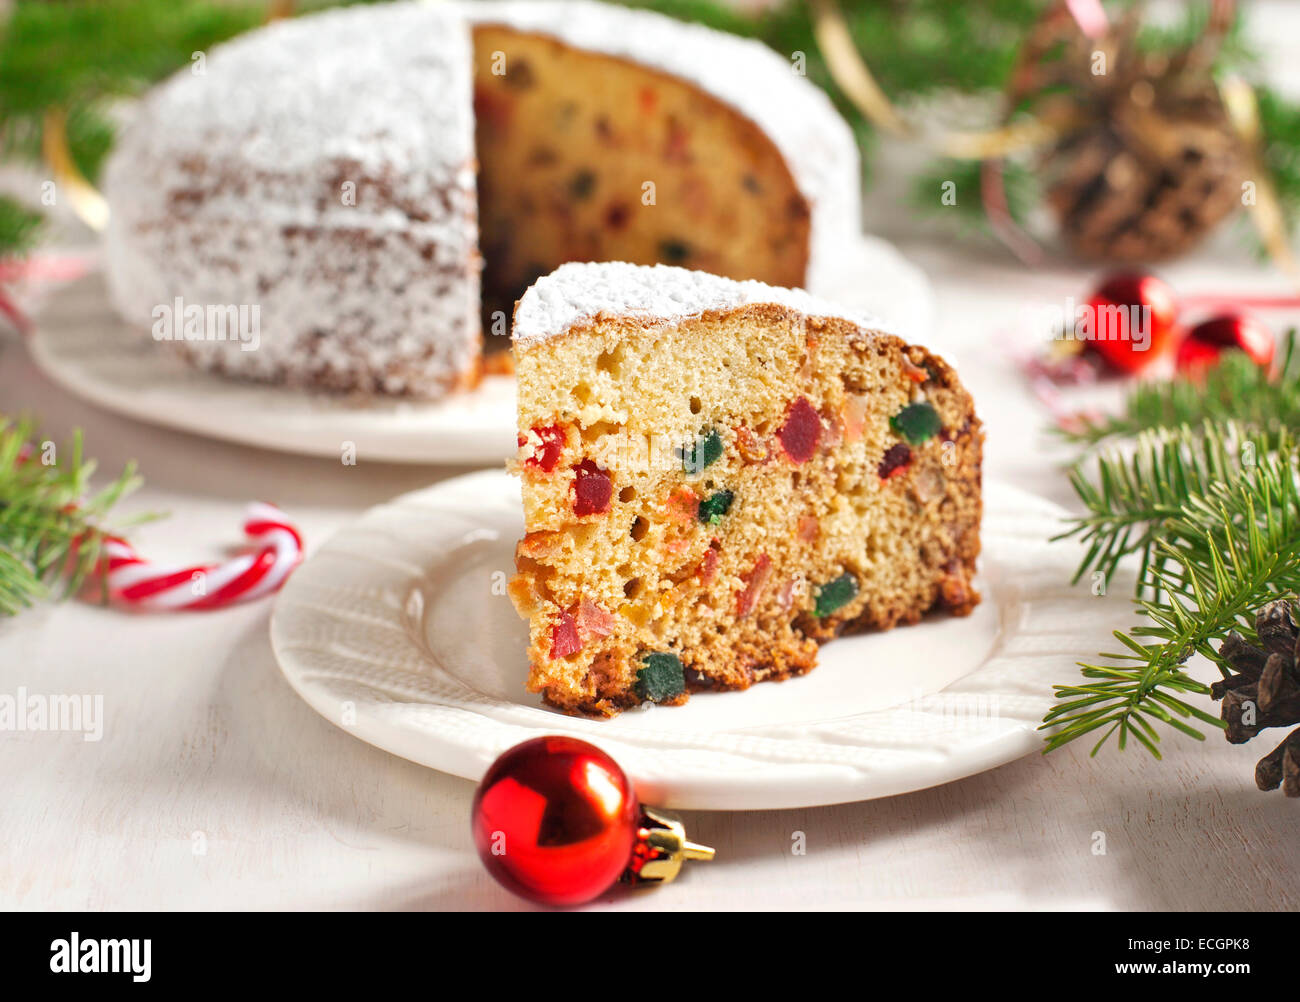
{"points": [[52, 529]]}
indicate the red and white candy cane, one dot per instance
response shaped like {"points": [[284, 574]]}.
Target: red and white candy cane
{"points": [[135, 582], [40, 268]]}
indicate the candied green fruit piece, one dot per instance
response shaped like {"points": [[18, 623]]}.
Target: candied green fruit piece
{"points": [[834, 595], [918, 422], [674, 251], [582, 184], [715, 506], [661, 679], [706, 451]]}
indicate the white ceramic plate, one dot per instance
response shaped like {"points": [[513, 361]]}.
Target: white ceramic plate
{"points": [[80, 343], [399, 631]]}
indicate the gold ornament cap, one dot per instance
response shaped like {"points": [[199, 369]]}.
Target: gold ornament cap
{"points": [[661, 849]]}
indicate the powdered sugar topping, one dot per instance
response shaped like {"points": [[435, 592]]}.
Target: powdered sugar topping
{"points": [[576, 293], [320, 169]]}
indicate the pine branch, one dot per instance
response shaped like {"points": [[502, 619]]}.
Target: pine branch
{"points": [[967, 203], [52, 529], [1201, 479], [1129, 494], [20, 227], [1236, 390], [1224, 555], [78, 55], [73, 53], [1280, 125]]}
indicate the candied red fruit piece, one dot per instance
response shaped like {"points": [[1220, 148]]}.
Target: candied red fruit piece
{"points": [[914, 372], [853, 416], [752, 448], [677, 144], [592, 489], [547, 453], [896, 460], [594, 620], [493, 108], [708, 568], [564, 637], [755, 582], [616, 216], [683, 505], [801, 431]]}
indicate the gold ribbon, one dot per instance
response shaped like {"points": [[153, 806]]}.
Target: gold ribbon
{"points": [[852, 76], [1266, 209], [87, 202], [850, 71]]}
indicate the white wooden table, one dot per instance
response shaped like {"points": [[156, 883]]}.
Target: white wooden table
{"points": [[214, 786]]}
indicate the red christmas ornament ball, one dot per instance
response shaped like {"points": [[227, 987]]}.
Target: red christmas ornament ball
{"points": [[1194, 357], [555, 820], [1130, 320], [1207, 341]]}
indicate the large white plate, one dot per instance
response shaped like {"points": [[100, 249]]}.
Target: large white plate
{"points": [[399, 631], [80, 343]]}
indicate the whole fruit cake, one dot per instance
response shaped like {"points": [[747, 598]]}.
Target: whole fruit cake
{"points": [[719, 475], [344, 171]]}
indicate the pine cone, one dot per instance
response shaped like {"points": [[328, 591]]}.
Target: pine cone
{"points": [[1143, 187], [1151, 162], [1264, 691]]}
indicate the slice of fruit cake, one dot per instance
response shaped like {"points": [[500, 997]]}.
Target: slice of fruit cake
{"points": [[719, 475]]}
